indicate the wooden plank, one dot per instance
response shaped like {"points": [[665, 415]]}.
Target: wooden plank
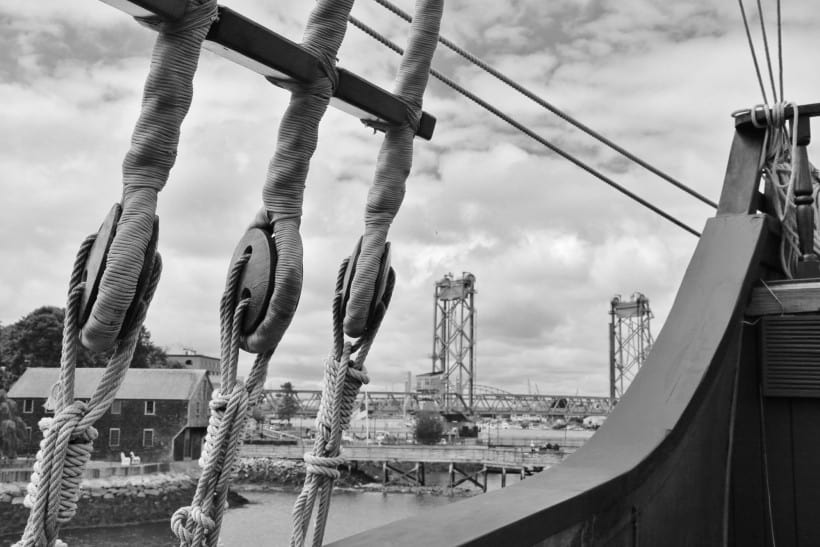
{"points": [[785, 297], [744, 119], [740, 193], [806, 446], [269, 54], [778, 418]]}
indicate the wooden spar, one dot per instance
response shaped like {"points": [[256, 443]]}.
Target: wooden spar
{"points": [[269, 54]]}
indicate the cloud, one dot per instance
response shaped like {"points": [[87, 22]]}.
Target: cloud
{"points": [[549, 244]]}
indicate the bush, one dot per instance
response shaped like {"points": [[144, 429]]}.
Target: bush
{"points": [[429, 427]]}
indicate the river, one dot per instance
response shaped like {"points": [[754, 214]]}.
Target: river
{"points": [[266, 520]]}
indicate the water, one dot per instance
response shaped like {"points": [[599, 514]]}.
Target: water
{"points": [[266, 520]]}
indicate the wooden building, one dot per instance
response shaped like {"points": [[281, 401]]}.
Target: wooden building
{"points": [[159, 414]]}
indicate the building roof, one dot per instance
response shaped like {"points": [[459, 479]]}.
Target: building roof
{"points": [[140, 383]]}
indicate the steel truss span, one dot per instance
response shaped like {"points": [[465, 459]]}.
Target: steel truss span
{"points": [[486, 402]]}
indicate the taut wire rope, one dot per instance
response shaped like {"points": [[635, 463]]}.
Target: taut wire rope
{"points": [[364, 284], [114, 278], [529, 132], [485, 66]]}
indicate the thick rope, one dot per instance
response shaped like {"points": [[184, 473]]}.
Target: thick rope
{"points": [[166, 99], [394, 162], [344, 375], [68, 437], [779, 175], [283, 193], [199, 524]]}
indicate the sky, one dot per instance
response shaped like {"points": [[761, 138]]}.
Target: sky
{"points": [[549, 244]]}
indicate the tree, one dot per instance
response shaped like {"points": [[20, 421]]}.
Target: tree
{"points": [[36, 341], [287, 405], [429, 427], [12, 428]]}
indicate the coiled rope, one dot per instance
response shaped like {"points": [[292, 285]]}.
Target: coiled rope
{"points": [[67, 441], [284, 189], [166, 99], [344, 372], [780, 173]]}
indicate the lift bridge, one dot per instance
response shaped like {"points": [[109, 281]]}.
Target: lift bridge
{"points": [[487, 402]]}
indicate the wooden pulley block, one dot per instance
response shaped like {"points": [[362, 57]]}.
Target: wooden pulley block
{"points": [[378, 290], [257, 279], [95, 267]]}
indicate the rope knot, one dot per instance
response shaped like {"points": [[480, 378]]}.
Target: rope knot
{"points": [[323, 465], [772, 116], [198, 15]]}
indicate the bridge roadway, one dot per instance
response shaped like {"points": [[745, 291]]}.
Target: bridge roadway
{"points": [[487, 402], [494, 457]]}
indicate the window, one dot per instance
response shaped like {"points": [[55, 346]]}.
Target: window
{"points": [[28, 433], [147, 438], [28, 406], [150, 407], [116, 407], [114, 437]]}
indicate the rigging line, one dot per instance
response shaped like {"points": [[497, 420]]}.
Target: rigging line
{"points": [[552, 108], [566, 155], [752, 50], [766, 49], [780, 50]]}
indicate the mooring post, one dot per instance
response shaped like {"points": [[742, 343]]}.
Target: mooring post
{"points": [[503, 477]]}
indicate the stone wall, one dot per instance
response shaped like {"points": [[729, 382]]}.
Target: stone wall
{"points": [[108, 501]]}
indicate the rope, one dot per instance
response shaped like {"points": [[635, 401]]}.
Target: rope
{"points": [[394, 162], [166, 99], [344, 375], [530, 133], [283, 193], [752, 50], [780, 175], [474, 59], [68, 437], [199, 524]]}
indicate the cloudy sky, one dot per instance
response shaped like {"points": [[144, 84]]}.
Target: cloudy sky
{"points": [[548, 244]]}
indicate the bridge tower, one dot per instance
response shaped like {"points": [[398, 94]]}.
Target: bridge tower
{"points": [[630, 340], [454, 340]]}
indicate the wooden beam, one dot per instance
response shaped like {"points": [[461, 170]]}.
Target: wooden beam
{"points": [[269, 54], [740, 194], [785, 297]]}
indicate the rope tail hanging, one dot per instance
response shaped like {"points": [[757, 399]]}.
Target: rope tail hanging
{"points": [[785, 167], [114, 278], [265, 278], [364, 284]]}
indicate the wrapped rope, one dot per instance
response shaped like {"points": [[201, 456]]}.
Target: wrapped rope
{"points": [[166, 99], [394, 162], [284, 189]]}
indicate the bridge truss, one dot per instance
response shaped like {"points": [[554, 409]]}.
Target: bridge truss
{"points": [[487, 402]]}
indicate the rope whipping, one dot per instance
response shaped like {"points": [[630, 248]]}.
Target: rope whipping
{"points": [[344, 372], [284, 188], [166, 99], [483, 65], [199, 524], [529, 132], [68, 437]]}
